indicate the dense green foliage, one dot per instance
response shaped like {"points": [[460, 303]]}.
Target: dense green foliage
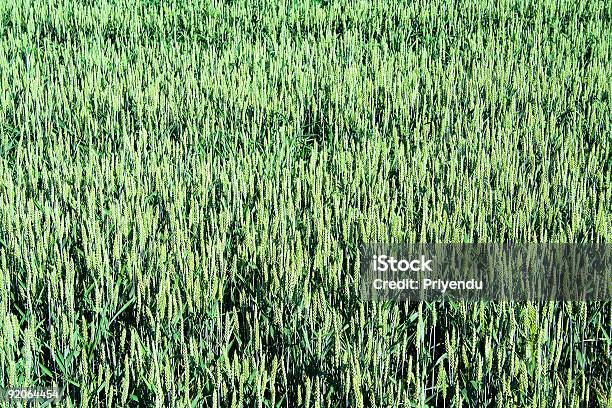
{"points": [[184, 187]]}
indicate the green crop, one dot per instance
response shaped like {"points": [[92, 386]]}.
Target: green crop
{"points": [[185, 185]]}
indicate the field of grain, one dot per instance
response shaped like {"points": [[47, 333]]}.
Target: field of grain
{"points": [[185, 185]]}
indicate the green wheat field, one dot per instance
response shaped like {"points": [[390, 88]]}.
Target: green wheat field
{"points": [[185, 186]]}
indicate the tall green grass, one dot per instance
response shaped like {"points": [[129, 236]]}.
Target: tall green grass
{"points": [[184, 187]]}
